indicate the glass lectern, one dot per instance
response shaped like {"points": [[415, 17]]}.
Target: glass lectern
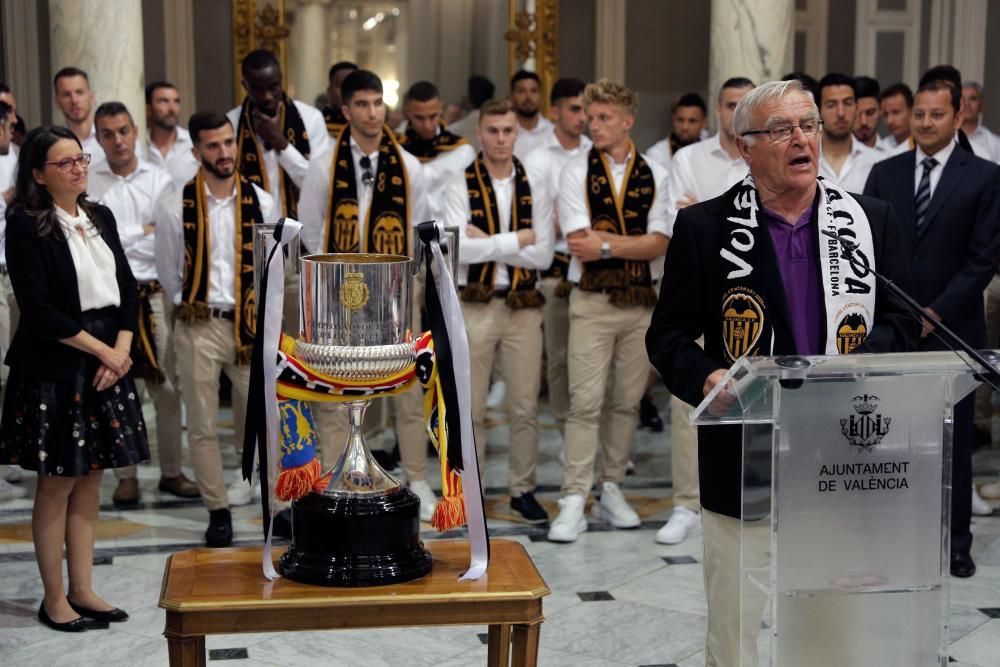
{"points": [[846, 505]]}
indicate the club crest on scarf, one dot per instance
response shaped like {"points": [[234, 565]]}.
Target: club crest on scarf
{"points": [[742, 321], [852, 329], [345, 225], [389, 236]]}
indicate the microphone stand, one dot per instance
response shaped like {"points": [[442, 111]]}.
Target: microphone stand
{"points": [[847, 247]]}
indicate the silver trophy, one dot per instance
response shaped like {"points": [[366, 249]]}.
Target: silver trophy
{"points": [[355, 324]]}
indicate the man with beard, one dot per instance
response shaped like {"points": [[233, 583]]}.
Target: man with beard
{"points": [[545, 165], [778, 268], [894, 104], [348, 213], [76, 101], [526, 96], [690, 117], [332, 115], [843, 159], [168, 145], [211, 286], [442, 153], [867, 117], [131, 187]]}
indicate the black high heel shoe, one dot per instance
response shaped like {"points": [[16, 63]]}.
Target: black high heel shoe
{"points": [[115, 615], [79, 624]]}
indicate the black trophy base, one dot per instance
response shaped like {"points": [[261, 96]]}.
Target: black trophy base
{"points": [[351, 541]]}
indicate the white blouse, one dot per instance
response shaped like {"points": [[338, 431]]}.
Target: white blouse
{"points": [[94, 262]]}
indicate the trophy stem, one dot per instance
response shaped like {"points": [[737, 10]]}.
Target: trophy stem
{"points": [[356, 471]]}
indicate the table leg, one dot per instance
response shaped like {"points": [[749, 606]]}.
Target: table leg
{"points": [[186, 651], [525, 638], [499, 646]]}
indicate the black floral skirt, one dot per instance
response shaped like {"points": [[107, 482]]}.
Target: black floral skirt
{"points": [[67, 427]]}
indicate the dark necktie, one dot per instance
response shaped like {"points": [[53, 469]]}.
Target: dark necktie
{"points": [[923, 199]]}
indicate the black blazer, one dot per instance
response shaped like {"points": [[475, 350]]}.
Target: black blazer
{"points": [[45, 286], [690, 306], [955, 255]]}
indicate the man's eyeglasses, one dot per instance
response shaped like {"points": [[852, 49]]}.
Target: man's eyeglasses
{"points": [[66, 164], [783, 131], [367, 177]]}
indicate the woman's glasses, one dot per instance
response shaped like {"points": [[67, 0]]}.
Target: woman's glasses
{"points": [[66, 164]]}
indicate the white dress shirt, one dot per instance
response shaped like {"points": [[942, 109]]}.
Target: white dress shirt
{"points": [[290, 160], [315, 195], [884, 146], [703, 170], [574, 214], [222, 236], [529, 140], [132, 199], [942, 158], [854, 172], [8, 171], [179, 161], [502, 247], [96, 274], [439, 172], [661, 154], [985, 144], [545, 164]]}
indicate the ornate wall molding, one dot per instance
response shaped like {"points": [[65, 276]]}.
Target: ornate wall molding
{"points": [[533, 41], [258, 24]]}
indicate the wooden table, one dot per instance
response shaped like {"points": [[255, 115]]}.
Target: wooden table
{"points": [[222, 591]]}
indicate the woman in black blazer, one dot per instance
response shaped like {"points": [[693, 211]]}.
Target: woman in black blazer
{"points": [[71, 408]]}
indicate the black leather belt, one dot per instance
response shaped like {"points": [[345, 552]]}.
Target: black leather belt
{"points": [[222, 314]]}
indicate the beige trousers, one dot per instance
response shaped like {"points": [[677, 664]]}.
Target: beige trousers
{"points": [[407, 418], [602, 337], [984, 394], [514, 338], [166, 397], [204, 349], [725, 645], [9, 315], [556, 328], [684, 455]]}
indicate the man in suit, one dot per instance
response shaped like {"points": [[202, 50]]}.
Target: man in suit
{"points": [[948, 202], [755, 245]]}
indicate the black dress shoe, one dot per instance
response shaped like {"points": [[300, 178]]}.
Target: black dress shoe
{"points": [[529, 509], [78, 624], [115, 615], [649, 416], [282, 524], [220, 529], [962, 564]]}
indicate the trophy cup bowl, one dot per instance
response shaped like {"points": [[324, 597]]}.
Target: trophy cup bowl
{"points": [[364, 529]]}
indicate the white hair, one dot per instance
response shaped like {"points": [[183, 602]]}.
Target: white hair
{"points": [[765, 93]]}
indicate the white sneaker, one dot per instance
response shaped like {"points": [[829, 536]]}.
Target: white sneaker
{"points": [[979, 506], [613, 508], [991, 491], [428, 501], [10, 473], [240, 493], [683, 522], [9, 492], [497, 395], [570, 523]]}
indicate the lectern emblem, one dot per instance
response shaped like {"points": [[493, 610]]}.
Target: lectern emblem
{"points": [[354, 292], [866, 428]]}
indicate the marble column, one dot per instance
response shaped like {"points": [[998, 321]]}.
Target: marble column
{"points": [[751, 38], [307, 77], [104, 39]]}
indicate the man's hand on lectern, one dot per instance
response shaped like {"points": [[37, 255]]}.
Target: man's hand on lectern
{"points": [[724, 399]]}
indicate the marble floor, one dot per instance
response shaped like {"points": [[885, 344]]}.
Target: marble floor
{"points": [[617, 598]]}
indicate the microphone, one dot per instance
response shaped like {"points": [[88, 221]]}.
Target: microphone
{"points": [[951, 339]]}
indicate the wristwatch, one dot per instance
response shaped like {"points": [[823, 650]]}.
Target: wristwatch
{"points": [[605, 250]]}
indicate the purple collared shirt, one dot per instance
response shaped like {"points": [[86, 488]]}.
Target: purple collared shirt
{"points": [[797, 251]]}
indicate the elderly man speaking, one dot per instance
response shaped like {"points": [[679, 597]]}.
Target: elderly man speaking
{"points": [[759, 246]]}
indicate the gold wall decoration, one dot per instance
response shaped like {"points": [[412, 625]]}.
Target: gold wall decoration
{"points": [[534, 35], [258, 24]]}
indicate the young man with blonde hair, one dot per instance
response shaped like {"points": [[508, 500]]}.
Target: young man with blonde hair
{"points": [[612, 209]]}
